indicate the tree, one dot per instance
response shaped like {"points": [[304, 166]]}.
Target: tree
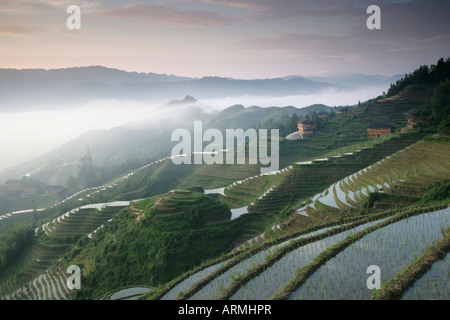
{"points": [[313, 117], [4, 204], [13, 242], [86, 173], [444, 126], [290, 126], [72, 183], [332, 114], [440, 106]]}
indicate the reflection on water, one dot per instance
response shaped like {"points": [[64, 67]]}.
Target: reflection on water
{"points": [[391, 248], [129, 293]]}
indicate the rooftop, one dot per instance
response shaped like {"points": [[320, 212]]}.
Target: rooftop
{"points": [[380, 126], [306, 121], [413, 112]]}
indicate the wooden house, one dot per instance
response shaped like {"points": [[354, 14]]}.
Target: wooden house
{"points": [[412, 117], [376, 130], [14, 185], [307, 127]]}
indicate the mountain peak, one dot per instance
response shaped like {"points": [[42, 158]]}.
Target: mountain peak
{"points": [[186, 100]]}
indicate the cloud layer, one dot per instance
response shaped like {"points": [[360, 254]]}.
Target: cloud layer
{"points": [[168, 16]]}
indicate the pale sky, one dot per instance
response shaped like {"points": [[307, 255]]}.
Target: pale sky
{"points": [[244, 39]]}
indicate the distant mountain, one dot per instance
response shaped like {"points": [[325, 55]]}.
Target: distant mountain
{"points": [[358, 80], [32, 89], [186, 100]]}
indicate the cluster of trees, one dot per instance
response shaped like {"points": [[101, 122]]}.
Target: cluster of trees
{"points": [[90, 175], [440, 191], [440, 107], [4, 203], [285, 124], [437, 113], [13, 242], [425, 75]]}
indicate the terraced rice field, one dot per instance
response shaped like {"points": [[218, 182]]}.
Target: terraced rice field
{"points": [[434, 285], [214, 288], [308, 178], [332, 262], [407, 172], [391, 241], [391, 248], [54, 239], [300, 183], [57, 236], [12, 218], [128, 293], [50, 285], [327, 262], [397, 170]]}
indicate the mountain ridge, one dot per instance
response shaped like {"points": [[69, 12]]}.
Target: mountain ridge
{"points": [[70, 87]]}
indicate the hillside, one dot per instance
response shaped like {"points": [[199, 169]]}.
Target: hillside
{"points": [[161, 237], [145, 141]]}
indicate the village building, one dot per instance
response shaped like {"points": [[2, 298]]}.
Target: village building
{"points": [[412, 117], [307, 127], [30, 191], [322, 115], [14, 185], [53, 190], [376, 130], [340, 110], [59, 191], [24, 187]]}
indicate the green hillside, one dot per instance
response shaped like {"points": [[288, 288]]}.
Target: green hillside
{"points": [[51, 241], [155, 240]]}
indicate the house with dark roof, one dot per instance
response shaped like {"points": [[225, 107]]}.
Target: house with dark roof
{"points": [[53, 190], [412, 117], [340, 110], [59, 191], [30, 191], [307, 126], [376, 130], [14, 185]]}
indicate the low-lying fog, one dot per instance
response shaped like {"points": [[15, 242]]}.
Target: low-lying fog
{"points": [[26, 135]]}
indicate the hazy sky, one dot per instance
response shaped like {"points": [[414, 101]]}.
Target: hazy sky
{"points": [[237, 38], [244, 39]]}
